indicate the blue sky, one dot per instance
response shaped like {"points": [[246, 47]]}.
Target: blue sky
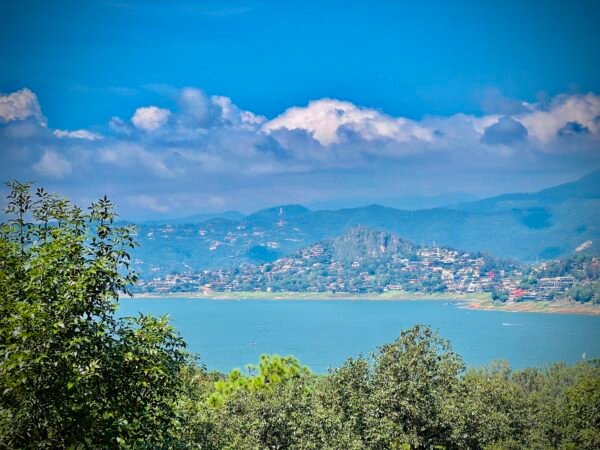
{"points": [[409, 100]]}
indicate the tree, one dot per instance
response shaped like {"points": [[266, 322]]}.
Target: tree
{"points": [[582, 294], [271, 371], [73, 374], [500, 296], [341, 406], [582, 406], [269, 408], [413, 384], [492, 409]]}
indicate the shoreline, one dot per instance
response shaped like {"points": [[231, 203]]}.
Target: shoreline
{"points": [[481, 302], [308, 296], [547, 307]]}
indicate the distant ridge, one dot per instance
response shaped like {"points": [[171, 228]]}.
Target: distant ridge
{"points": [[587, 187], [282, 212], [527, 227], [199, 218]]}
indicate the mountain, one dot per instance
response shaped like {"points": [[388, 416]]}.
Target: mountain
{"points": [[526, 227], [360, 260], [279, 215], [199, 218], [409, 202], [563, 216], [586, 188]]}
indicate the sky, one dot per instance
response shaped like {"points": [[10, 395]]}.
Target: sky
{"points": [[177, 108]]}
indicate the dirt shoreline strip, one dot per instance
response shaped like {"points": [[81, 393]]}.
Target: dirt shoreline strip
{"points": [[471, 301]]}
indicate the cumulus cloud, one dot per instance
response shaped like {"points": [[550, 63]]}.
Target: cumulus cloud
{"points": [[53, 165], [325, 118], [504, 132], [544, 121], [20, 105], [231, 114], [150, 118], [210, 138], [197, 109]]}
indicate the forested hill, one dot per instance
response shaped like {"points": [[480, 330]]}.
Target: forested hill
{"points": [[528, 227], [361, 260]]}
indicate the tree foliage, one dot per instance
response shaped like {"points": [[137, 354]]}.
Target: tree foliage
{"points": [[72, 374], [411, 394]]}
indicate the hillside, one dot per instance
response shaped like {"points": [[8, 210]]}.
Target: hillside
{"points": [[360, 260], [528, 227], [580, 270], [364, 260], [586, 188]]}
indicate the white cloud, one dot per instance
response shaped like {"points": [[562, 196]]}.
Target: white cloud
{"points": [[326, 117], [213, 139], [77, 134], [119, 126], [20, 105], [150, 118], [197, 110], [230, 113], [53, 165], [195, 105], [543, 123]]}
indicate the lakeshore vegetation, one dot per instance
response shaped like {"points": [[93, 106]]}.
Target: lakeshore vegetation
{"points": [[74, 375]]}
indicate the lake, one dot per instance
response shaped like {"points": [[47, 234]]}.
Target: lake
{"points": [[322, 334]]}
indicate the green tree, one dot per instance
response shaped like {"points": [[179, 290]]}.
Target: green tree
{"points": [[341, 406], [412, 389], [582, 407], [271, 371], [73, 374], [491, 409], [500, 296], [268, 408], [582, 294]]}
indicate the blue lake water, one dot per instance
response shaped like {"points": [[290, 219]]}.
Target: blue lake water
{"points": [[322, 334]]}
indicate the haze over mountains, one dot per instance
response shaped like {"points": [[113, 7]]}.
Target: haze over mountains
{"points": [[523, 226]]}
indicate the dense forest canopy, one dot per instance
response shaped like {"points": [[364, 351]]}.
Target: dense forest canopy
{"points": [[74, 375]]}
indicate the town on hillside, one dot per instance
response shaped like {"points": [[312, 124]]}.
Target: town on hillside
{"points": [[366, 261]]}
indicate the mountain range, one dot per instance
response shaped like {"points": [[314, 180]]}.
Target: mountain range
{"points": [[522, 226]]}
